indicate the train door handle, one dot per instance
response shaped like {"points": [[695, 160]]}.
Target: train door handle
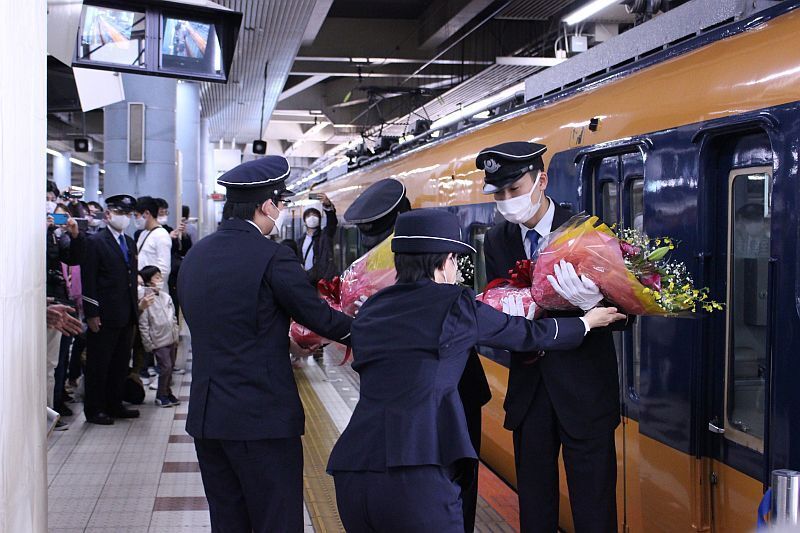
{"points": [[713, 428]]}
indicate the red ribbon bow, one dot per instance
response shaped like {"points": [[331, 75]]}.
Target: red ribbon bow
{"points": [[519, 276]]}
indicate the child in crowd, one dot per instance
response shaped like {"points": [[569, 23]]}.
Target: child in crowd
{"points": [[159, 330]]}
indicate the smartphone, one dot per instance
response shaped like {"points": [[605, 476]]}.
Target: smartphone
{"points": [[83, 223], [60, 219], [314, 196]]}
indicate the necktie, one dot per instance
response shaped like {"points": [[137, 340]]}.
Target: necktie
{"points": [[124, 247], [532, 240]]}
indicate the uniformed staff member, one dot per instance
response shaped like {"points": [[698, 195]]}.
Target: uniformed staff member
{"points": [[396, 464], [374, 212], [109, 280], [568, 398], [376, 209], [238, 291]]}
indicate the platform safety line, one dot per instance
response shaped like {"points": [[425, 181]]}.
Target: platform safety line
{"points": [[320, 436]]}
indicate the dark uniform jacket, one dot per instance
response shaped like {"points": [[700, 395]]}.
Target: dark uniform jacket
{"points": [[109, 284], [410, 344], [583, 383], [238, 291], [322, 244]]}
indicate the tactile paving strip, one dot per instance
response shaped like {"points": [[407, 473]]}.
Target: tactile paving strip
{"points": [[320, 436]]}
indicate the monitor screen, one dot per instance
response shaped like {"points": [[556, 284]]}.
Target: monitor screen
{"points": [[112, 36], [190, 45]]}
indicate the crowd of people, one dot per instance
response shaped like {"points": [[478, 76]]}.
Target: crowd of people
{"points": [[112, 313]]}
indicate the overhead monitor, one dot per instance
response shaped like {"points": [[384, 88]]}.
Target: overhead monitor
{"points": [[187, 39]]}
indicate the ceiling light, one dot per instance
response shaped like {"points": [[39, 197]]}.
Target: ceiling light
{"points": [[587, 11], [482, 115], [102, 171], [436, 133], [78, 161], [315, 111], [52, 152]]}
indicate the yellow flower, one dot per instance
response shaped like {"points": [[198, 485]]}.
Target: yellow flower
{"points": [[646, 291]]}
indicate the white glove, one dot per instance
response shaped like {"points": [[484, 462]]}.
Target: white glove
{"points": [[359, 302], [579, 291], [514, 306]]}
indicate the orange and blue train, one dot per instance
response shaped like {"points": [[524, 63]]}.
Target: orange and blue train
{"points": [[700, 142]]}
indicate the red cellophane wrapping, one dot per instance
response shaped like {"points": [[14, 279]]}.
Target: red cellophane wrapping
{"points": [[594, 251], [304, 337], [367, 275], [518, 283]]}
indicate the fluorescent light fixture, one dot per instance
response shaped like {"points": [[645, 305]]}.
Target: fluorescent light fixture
{"points": [[52, 152], [436, 133], [77, 161], [587, 11], [482, 115], [481, 105], [102, 171]]}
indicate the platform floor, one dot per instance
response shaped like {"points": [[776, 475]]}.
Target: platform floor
{"points": [[142, 475]]}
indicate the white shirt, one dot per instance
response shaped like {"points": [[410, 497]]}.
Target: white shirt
{"points": [[308, 248], [543, 227], [155, 248]]}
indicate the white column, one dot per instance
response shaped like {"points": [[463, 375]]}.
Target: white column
{"points": [[23, 138], [208, 222], [91, 182], [62, 170]]}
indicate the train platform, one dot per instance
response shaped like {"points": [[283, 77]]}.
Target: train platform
{"points": [[142, 475]]}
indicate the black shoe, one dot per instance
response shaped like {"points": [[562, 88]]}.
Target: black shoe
{"points": [[173, 400], [63, 410], [101, 419], [124, 412]]}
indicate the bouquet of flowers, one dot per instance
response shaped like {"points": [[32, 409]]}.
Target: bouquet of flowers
{"points": [[631, 269], [367, 275], [517, 285], [304, 337]]}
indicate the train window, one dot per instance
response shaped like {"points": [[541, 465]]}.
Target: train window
{"points": [[610, 203], [477, 238], [350, 248], [635, 217], [748, 256]]}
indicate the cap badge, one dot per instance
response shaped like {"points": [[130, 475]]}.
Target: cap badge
{"points": [[491, 166]]}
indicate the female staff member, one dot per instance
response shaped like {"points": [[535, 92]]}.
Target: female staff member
{"points": [[396, 465]]}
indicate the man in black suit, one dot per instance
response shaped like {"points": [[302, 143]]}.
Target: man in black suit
{"points": [[557, 400], [109, 278], [315, 248], [238, 292]]}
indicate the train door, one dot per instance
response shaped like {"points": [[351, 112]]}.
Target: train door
{"points": [[618, 184], [740, 226]]}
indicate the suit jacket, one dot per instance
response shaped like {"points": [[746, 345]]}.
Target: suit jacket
{"points": [[411, 342], [109, 282], [583, 384], [238, 292], [322, 244]]}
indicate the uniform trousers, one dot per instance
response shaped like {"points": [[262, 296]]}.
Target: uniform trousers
{"points": [[422, 499], [108, 354], [468, 469], [53, 351], [253, 485], [591, 466]]}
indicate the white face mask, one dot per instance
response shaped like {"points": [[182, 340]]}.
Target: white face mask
{"points": [[455, 276], [94, 222], [120, 222], [520, 209], [51, 207], [138, 222], [277, 223], [162, 220], [312, 222]]}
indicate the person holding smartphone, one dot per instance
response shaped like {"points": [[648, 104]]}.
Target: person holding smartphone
{"points": [[315, 248]]}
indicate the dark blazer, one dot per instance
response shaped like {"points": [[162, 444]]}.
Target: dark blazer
{"points": [[410, 344], [583, 384], [238, 292], [322, 244], [109, 283]]}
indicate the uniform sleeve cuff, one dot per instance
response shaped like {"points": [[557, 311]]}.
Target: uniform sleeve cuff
{"points": [[586, 325]]}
